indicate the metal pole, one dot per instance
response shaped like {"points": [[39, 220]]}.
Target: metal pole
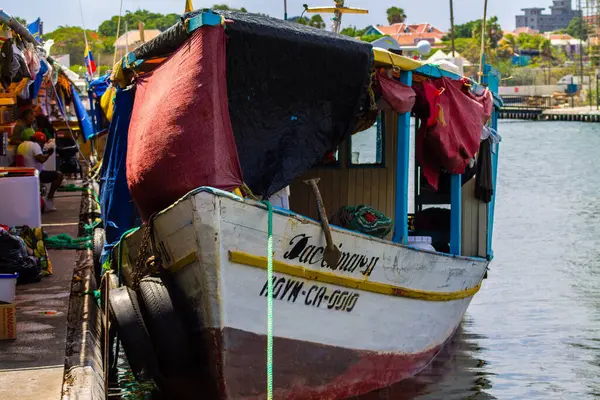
{"points": [[17, 27], [285, 10], [482, 58], [597, 92], [580, 44], [452, 27]]}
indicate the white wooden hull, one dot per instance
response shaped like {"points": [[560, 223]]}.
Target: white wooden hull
{"points": [[380, 316]]}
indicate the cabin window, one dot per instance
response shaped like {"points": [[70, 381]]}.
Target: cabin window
{"points": [[366, 147]]}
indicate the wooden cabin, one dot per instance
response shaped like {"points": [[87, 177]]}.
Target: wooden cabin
{"points": [[381, 179]]}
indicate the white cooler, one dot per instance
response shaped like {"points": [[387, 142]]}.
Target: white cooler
{"points": [[20, 198], [8, 284]]}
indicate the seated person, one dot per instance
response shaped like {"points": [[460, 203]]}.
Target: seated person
{"points": [[31, 152], [43, 124], [23, 129]]}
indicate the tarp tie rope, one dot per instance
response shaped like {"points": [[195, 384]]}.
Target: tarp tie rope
{"points": [[269, 301]]}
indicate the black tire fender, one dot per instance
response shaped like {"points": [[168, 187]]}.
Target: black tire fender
{"points": [[98, 246], [166, 329], [133, 334]]}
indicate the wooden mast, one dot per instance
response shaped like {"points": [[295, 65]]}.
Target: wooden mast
{"points": [[337, 11]]}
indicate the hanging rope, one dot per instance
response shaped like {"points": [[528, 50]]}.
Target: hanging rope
{"points": [[269, 302], [118, 31], [64, 115]]}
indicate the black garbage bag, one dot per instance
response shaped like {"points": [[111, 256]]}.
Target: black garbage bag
{"points": [[30, 270], [14, 259]]}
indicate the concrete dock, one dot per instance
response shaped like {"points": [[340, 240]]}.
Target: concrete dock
{"points": [[32, 366]]}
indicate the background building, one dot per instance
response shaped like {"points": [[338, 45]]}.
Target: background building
{"points": [[561, 13]]}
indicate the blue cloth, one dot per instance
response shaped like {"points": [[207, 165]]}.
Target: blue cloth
{"points": [[39, 78], [85, 122], [99, 85], [118, 211], [96, 89]]}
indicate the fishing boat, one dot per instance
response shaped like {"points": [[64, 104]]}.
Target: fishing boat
{"points": [[342, 308]]}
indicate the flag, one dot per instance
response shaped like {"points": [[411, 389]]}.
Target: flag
{"points": [[188, 6], [89, 61], [36, 29]]}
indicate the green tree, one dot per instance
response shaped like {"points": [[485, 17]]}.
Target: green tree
{"points": [[132, 19], [316, 21], [493, 31], [78, 69], [395, 15], [225, 7], [353, 31], [465, 30], [578, 28], [20, 20], [70, 40]]}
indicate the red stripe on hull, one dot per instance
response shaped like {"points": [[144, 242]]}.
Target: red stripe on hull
{"points": [[306, 370]]}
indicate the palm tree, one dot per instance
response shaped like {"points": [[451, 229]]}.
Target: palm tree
{"points": [[395, 15], [510, 43], [546, 53]]}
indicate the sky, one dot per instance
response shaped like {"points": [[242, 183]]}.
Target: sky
{"points": [[436, 12]]}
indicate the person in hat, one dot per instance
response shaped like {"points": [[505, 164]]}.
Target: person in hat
{"points": [[33, 156]]}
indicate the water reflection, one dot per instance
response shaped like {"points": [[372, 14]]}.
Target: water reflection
{"points": [[456, 373]]}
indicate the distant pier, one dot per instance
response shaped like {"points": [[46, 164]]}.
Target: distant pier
{"points": [[541, 109]]}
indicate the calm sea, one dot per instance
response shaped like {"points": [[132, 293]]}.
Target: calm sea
{"points": [[533, 331]]}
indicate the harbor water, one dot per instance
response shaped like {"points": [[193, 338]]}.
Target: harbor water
{"points": [[533, 331]]}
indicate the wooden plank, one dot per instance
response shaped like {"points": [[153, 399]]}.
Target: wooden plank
{"points": [[374, 183], [482, 230], [392, 129], [344, 188], [335, 191], [367, 188], [359, 188], [351, 186], [383, 192]]}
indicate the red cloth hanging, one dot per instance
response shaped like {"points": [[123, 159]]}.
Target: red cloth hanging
{"points": [[398, 95], [180, 135], [451, 135]]}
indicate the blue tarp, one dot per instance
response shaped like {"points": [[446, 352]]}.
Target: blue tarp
{"points": [[85, 121], [118, 211]]}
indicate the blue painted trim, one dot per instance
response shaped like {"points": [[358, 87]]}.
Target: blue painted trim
{"points": [[492, 79], [455, 214], [402, 166], [206, 18]]}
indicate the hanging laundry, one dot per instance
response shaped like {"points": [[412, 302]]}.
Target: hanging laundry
{"points": [[6, 59], [398, 95], [451, 128], [484, 187]]}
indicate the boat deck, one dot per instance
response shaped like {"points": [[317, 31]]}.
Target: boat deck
{"points": [[32, 367]]}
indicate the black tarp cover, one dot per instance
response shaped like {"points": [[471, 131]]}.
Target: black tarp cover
{"points": [[294, 92]]}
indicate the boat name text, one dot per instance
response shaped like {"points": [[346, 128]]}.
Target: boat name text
{"points": [[310, 254]]}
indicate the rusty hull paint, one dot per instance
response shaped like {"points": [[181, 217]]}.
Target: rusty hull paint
{"points": [[304, 370]]}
